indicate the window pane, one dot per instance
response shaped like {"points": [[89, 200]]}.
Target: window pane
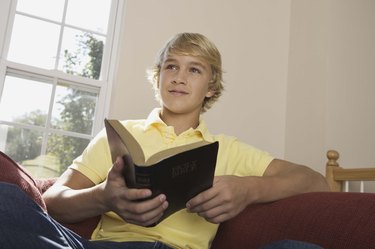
{"points": [[34, 42], [21, 144], [43, 166], [74, 109], [24, 147], [66, 149], [50, 9], [81, 53], [25, 101], [96, 14]]}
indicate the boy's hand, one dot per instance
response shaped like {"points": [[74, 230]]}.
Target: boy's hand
{"points": [[227, 198], [129, 203]]}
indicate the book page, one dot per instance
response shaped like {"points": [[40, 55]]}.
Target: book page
{"points": [[131, 144], [172, 151]]}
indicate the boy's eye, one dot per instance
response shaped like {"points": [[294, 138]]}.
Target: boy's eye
{"points": [[195, 70], [171, 67]]}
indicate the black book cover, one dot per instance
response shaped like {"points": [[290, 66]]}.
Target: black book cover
{"points": [[180, 172]]}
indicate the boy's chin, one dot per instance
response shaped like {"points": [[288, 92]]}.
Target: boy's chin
{"points": [[179, 110]]}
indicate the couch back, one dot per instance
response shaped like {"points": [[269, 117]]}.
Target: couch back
{"points": [[333, 220]]}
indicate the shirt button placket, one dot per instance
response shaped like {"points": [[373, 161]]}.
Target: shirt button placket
{"points": [[169, 137]]}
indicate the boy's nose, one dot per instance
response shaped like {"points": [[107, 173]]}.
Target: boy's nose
{"points": [[180, 78]]}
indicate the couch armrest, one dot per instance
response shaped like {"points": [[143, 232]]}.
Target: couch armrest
{"points": [[331, 220], [13, 173]]}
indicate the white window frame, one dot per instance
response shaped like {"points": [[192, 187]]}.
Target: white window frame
{"points": [[108, 69]]}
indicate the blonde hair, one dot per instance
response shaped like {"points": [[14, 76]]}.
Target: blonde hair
{"points": [[192, 44]]}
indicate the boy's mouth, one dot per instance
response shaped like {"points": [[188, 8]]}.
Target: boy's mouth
{"points": [[177, 92]]}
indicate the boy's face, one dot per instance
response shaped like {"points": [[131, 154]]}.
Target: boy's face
{"points": [[184, 83]]}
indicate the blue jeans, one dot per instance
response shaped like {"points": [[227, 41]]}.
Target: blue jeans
{"points": [[23, 224], [291, 244]]}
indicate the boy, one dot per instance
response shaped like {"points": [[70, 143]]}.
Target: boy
{"points": [[187, 78]]}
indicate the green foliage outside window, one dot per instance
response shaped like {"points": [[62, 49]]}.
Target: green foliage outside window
{"points": [[77, 114]]}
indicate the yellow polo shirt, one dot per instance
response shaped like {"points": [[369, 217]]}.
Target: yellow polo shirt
{"points": [[182, 229]]}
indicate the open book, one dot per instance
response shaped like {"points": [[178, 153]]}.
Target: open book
{"points": [[180, 173]]}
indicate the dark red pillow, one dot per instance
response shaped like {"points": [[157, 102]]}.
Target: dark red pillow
{"points": [[11, 172]]}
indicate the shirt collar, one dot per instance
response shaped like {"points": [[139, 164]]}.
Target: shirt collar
{"points": [[154, 119]]}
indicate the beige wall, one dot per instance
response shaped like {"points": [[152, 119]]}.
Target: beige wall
{"points": [[299, 74], [305, 134], [351, 95], [253, 37], [331, 82]]}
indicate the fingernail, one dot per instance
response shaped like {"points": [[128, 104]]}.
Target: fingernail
{"points": [[162, 198], [165, 205]]}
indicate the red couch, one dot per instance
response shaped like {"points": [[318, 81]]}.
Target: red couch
{"points": [[331, 220]]}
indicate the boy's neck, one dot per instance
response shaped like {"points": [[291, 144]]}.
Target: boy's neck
{"points": [[180, 122]]}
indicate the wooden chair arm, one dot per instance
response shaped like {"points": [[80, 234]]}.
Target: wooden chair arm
{"points": [[336, 175]]}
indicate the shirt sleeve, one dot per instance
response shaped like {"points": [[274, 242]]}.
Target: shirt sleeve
{"points": [[95, 161], [241, 159]]}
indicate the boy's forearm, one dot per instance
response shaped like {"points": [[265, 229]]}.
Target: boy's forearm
{"points": [[69, 205], [295, 180]]}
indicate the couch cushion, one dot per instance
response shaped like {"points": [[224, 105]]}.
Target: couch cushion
{"points": [[333, 220], [11, 172]]}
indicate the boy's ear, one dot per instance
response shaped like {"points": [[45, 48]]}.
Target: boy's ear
{"points": [[210, 93]]}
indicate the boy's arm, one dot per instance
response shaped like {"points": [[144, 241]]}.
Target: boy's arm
{"points": [[283, 179], [74, 198], [231, 194]]}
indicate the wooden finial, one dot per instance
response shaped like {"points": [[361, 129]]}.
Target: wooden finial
{"points": [[332, 156]]}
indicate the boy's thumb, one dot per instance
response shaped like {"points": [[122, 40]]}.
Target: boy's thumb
{"points": [[116, 169], [118, 165]]}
